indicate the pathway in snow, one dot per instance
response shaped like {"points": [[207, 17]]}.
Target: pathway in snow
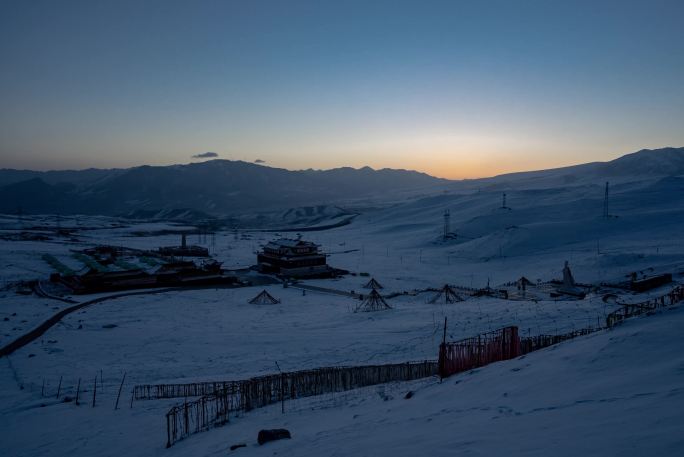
{"points": [[34, 334]]}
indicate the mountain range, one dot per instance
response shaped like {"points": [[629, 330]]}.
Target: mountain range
{"points": [[224, 187], [215, 187]]}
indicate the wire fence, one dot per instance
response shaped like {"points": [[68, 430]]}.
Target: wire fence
{"points": [[100, 389]]}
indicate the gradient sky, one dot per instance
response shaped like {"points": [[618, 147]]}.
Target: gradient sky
{"points": [[455, 88]]}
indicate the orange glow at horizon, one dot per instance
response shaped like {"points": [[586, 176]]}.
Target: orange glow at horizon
{"points": [[478, 167], [440, 153], [471, 162]]}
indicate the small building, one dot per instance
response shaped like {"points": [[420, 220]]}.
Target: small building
{"points": [[94, 281], [649, 282], [173, 274], [293, 258]]}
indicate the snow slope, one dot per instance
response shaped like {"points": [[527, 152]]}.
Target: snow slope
{"points": [[617, 392]]}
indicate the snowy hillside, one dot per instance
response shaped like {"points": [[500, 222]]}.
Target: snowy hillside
{"points": [[578, 398], [575, 398], [640, 165]]}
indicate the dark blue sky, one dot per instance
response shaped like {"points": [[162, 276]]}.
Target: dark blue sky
{"points": [[452, 88]]}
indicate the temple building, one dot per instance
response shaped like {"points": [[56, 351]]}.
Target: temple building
{"points": [[293, 258]]}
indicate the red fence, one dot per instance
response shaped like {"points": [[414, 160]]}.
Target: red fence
{"points": [[501, 344], [463, 355], [505, 343]]}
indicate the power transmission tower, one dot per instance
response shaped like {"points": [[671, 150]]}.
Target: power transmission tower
{"points": [[503, 202]]}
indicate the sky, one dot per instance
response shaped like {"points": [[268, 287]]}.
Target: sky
{"points": [[457, 89]]}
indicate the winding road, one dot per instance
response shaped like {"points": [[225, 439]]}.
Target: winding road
{"points": [[53, 320]]}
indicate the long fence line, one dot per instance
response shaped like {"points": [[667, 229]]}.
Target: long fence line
{"points": [[628, 310], [505, 343], [221, 399], [533, 343], [193, 389], [216, 408]]}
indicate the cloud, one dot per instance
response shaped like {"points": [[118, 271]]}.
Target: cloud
{"points": [[205, 155], [259, 161]]}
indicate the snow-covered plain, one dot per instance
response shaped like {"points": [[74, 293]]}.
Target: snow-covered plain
{"points": [[618, 389]]}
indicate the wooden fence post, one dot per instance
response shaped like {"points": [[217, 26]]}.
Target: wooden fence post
{"points": [[168, 430], [186, 420], [116, 406], [94, 390], [442, 353], [282, 393]]}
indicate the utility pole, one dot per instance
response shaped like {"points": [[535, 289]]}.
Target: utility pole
{"points": [[606, 213], [282, 389]]}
